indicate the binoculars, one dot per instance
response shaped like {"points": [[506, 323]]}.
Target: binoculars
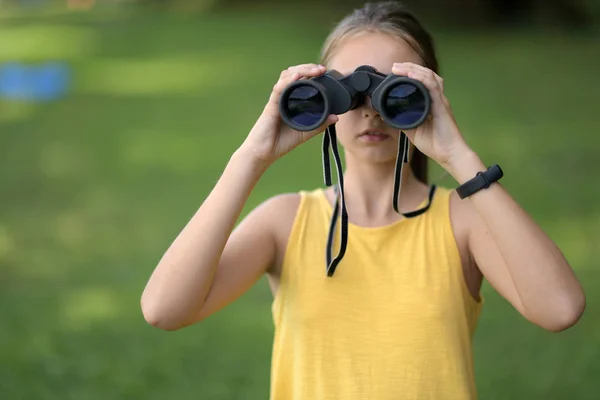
{"points": [[402, 102]]}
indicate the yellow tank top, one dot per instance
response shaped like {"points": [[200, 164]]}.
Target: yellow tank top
{"points": [[394, 322]]}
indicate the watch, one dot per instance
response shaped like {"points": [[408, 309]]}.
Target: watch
{"points": [[482, 180]]}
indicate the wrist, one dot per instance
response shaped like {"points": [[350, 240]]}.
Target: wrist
{"points": [[248, 160], [464, 165]]}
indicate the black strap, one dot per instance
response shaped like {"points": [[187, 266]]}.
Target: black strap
{"points": [[329, 139], [482, 180], [401, 159], [325, 151]]}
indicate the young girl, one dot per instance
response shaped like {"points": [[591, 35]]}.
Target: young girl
{"points": [[396, 319]]}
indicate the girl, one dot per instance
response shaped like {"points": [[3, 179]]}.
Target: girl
{"points": [[396, 319]]}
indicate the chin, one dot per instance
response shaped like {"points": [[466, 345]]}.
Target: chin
{"points": [[375, 155], [370, 149]]}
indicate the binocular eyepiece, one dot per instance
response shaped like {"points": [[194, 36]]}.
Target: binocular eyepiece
{"points": [[402, 102]]}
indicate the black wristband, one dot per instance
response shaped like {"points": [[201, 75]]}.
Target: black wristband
{"points": [[482, 180]]}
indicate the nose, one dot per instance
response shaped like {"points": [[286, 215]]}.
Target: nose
{"points": [[367, 108]]}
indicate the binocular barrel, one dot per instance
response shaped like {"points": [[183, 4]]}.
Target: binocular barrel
{"points": [[402, 102]]}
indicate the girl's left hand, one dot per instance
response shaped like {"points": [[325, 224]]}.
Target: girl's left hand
{"points": [[438, 137]]}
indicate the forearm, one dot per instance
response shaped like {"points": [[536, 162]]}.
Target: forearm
{"points": [[543, 279], [181, 281]]}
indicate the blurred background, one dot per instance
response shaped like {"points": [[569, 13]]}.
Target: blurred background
{"points": [[117, 118]]}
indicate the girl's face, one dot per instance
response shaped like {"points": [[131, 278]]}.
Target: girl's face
{"points": [[380, 51]]}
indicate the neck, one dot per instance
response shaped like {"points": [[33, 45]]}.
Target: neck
{"points": [[369, 190]]}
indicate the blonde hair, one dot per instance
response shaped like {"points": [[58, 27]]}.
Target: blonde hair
{"points": [[393, 18]]}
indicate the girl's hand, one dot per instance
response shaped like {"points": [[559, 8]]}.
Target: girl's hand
{"points": [[271, 138], [438, 137]]}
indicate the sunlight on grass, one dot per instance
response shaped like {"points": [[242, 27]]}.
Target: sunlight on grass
{"points": [[86, 306], [60, 160], [172, 75], [41, 42], [39, 260], [504, 137], [6, 242], [72, 229], [13, 111], [178, 154], [576, 239], [102, 201]]}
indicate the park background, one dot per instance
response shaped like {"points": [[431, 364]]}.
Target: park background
{"points": [[117, 118]]}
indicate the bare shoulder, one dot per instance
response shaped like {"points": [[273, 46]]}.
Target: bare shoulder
{"points": [[277, 210], [254, 248], [285, 202], [280, 211], [273, 212], [463, 215]]}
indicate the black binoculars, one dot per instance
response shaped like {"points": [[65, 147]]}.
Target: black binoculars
{"points": [[402, 102]]}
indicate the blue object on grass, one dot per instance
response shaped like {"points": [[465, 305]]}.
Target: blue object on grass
{"points": [[45, 82]]}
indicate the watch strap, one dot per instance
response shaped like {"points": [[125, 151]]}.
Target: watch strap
{"points": [[482, 180]]}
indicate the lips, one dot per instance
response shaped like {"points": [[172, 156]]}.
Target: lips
{"points": [[373, 136]]}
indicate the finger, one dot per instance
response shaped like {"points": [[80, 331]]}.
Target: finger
{"points": [[404, 68], [426, 79], [440, 81], [296, 72], [309, 70], [280, 86], [409, 66], [304, 69], [291, 75], [438, 99]]}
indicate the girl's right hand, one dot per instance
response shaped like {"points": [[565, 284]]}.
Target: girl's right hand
{"points": [[271, 138]]}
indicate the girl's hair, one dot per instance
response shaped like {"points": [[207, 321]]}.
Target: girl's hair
{"points": [[393, 18]]}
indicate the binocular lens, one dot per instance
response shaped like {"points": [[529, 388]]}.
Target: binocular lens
{"points": [[305, 106], [405, 104]]}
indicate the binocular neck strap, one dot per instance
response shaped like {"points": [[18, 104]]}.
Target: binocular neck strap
{"points": [[403, 147], [330, 140], [401, 159]]}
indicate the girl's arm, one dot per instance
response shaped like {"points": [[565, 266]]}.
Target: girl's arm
{"points": [[208, 266], [177, 290], [511, 250], [518, 259]]}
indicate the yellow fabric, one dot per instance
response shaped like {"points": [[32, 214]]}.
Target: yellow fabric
{"points": [[395, 321]]}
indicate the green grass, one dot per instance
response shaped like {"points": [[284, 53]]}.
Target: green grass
{"points": [[96, 186]]}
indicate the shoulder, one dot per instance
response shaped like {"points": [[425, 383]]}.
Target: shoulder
{"points": [[461, 215], [281, 202], [447, 198], [280, 212], [462, 211], [459, 211], [276, 211], [287, 204]]}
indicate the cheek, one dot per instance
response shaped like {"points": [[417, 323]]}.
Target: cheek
{"points": [[348, 120], [347, 127]]}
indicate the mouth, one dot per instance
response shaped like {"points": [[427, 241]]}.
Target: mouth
{"points": [[371, 135]]}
